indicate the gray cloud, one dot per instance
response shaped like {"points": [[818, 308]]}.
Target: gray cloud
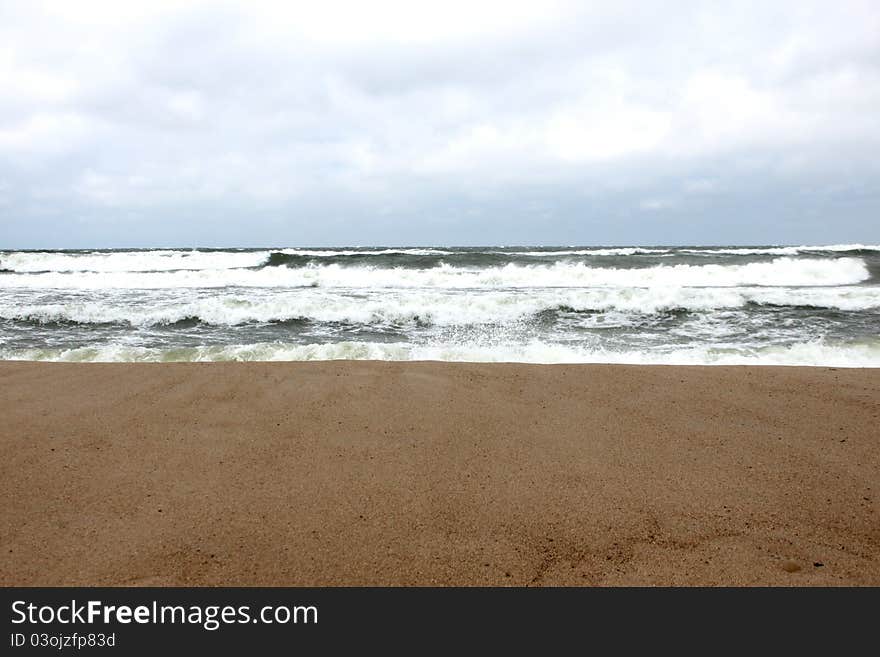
{"points": [[458, 123]]}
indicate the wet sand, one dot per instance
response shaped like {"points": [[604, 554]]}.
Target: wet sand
{"points": [[370, 473]]}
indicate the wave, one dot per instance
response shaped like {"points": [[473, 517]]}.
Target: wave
{"points": [[622, 251], [859, 249], [175, 260], [778, 272], [428, 307], [330, 253], [815, 353], [167, 260], [409, 258], [129, 261]]}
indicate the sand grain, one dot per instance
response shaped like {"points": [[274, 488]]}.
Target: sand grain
{"points": [[351, 473]]}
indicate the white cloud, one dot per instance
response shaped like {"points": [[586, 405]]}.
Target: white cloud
{"points": [[154, 104]]}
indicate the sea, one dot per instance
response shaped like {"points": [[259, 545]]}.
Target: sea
{"points": [[701, 305]]}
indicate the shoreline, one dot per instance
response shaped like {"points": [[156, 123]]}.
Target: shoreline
{"points": [[489, 363], [438, 473]]}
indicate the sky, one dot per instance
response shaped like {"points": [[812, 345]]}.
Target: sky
{"points": [[444, 123]]}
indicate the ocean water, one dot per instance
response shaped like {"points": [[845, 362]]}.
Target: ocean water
{"points": [[783, 305]]}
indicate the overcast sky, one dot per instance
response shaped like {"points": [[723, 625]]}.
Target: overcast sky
{"points": [[328, 123]]}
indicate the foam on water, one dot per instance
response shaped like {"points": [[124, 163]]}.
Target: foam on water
{"points": [[791, 305], [633, 250], [778, 272], [433, 307], [330, 253], [802, 354], [785, 250], [163, 260], [129, 261]]}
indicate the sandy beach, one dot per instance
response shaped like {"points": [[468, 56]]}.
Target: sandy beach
{"points": [[377, 473]]}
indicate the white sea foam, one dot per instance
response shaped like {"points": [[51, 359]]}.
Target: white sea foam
{"points": [[783, 250], [777, 272], [176, 259], [171, 260], [129, 261], [623, 251], [571, 310], [434, 307], [331, 253], [801, 354]]}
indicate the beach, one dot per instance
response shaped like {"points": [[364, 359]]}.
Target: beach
{"points": [[429, 473]]}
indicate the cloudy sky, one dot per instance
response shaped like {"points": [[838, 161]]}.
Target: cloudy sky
{"points": [[339, 123]]}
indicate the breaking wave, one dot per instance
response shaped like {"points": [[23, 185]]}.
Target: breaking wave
{"points": [[802, 354], [791, 305], [783, 271], [428, 307]]}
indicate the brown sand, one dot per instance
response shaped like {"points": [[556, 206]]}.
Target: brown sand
{"points": [[427, 473]]}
